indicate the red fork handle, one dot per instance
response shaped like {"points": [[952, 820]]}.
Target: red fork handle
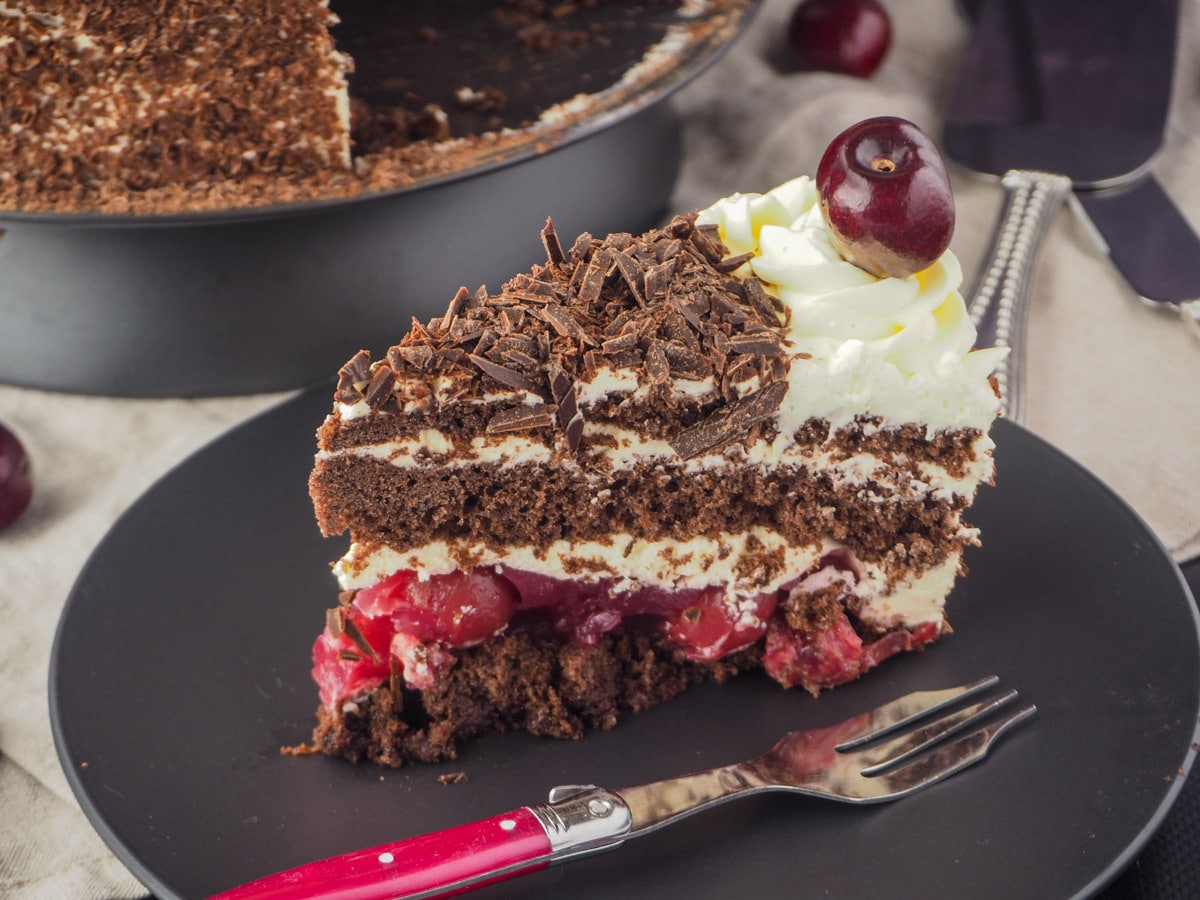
{"points": [[433, 865]]}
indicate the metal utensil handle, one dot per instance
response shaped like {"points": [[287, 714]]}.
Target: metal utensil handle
{"points": [[999, 306]]}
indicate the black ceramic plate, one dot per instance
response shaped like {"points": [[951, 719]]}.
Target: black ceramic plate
{"points": [[181, 666]]}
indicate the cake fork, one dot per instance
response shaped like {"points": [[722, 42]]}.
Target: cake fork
{"points": [[883, 754]]}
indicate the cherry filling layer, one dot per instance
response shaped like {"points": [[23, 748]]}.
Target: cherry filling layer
{"points": [[409, 627]]}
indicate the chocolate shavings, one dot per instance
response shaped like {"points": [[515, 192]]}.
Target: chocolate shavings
{"points": [[352, 377], [568, 415], [554, 250], [761, 343], [730, 422], [379, 389], [504, 375], [521, 418], [662, 306], [356, 637]]}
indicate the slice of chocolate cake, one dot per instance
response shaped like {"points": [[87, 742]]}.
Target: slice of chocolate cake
{"points": [[715, 447]]}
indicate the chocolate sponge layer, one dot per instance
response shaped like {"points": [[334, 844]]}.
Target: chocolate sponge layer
{"points": [[514, 684], [409, 506]]}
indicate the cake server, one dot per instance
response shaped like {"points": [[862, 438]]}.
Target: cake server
{"points": [[1054, 97], [1142, 230], [883, 754]]}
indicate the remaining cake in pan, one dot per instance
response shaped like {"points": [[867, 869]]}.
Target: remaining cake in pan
{"points": [[652, 460], [109, 99], [143, 107]]}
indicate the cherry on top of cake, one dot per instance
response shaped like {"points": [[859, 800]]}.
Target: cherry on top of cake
{"points": [[886, 196]]}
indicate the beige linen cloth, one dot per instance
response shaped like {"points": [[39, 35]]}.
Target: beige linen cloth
{"points": [[1112, 382]]}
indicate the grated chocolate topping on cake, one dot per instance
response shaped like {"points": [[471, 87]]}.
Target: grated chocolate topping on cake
{"points": [[659, 306]]}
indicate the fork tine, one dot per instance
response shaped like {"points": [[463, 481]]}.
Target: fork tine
{"points": [[950, 758], [903, 710], [893, 752]]}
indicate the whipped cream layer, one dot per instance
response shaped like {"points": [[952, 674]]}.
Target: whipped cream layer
{"points": [[733, 561], [622, 449], [897, 348]]}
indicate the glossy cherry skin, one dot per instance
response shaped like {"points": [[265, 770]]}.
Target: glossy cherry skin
{"points": [[886, 196], [16, 485], [850, 37]]}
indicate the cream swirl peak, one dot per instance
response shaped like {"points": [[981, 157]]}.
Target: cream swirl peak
{"points": [[898, 348]]}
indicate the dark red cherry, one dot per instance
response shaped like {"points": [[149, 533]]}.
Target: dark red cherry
{"points": [[885, 193], [16, 486], [458, 608], [846, 36]]}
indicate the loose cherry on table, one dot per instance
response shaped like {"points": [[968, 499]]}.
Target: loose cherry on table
{"points": [[885, 194], [16, 485], [850, 37]]}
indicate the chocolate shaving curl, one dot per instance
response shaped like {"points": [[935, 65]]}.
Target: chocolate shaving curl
{"points": [[568, 414], [658, 278], [554, 250], [730, 422], [733, 263], [353, 378], [760, 343], [705, 239], [593, 278], [521, 418], [657, 366], [419, 356], [457, 302], [769, 308], [631, 271], [622, 342], [335, 620], [506, 376], [565, 324], [379, 389]]}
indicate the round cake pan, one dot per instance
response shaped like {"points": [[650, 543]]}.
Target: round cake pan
{"points": [[263, 299]]}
